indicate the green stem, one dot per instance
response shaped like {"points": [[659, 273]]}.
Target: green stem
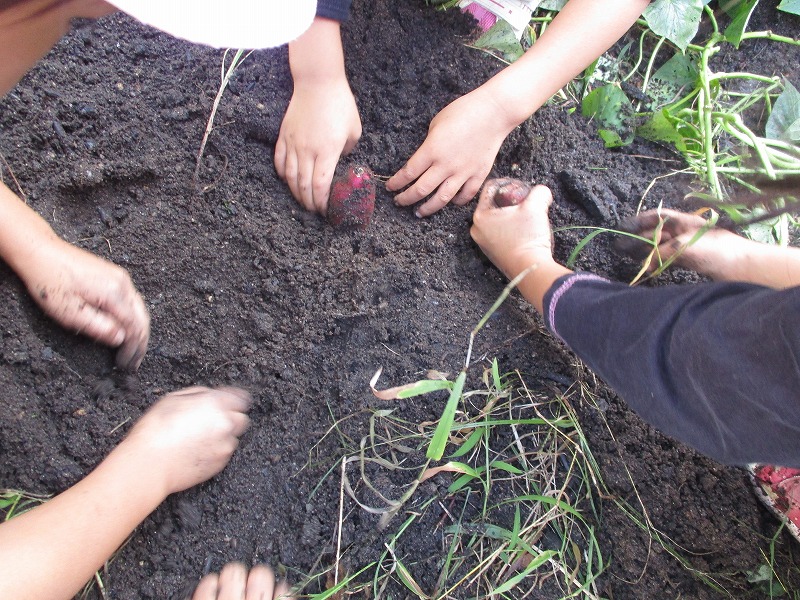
{"points": [[768, 35], [739, 130], [705, 108], [751, 76], [743, 171], [641, 56], [650, 64], [713, 19]]}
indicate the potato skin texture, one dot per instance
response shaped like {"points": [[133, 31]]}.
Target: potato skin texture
{"points": [[510, 192], [352, 199]]}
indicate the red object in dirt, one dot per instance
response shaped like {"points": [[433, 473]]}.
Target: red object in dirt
{"points": [[352, 198], [510, 192], [779, 489]]}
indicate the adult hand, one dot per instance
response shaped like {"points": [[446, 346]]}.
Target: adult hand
{"points": [[89, 295], [514, 237], [456, 156], [321, 124], [189, 435], [234, 583]]}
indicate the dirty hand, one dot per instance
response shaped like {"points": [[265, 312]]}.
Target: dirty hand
{"points": [[514, 237], [321, 124], [234, 583], [712, 254], [455, 158], [189, 435], [90, 295]]}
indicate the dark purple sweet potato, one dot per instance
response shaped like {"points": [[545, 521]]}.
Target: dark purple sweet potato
{"points": [[510, 192], [352, 198]]}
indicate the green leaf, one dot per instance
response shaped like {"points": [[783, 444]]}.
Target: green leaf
{"points": [[405, 576], [680, 71], [442, 432], [574, 254], [498, 384], [504, 466], [534, 564], [464, 479], [609, 106], [611, 109], [784, 122], [612, 139], [501, 38], [556, 4], [676, 20], [790, 6], [740, 12], [459, 483], [464, 468], [660, 128], [471, 442], [764, 577], [761, 232], [425, 386]]}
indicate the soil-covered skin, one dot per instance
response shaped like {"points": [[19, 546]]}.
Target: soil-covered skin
{"points": [[244, 288]]}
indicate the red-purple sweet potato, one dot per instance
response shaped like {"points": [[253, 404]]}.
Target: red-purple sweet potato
{"points": [[510, 192], [352, 199]]}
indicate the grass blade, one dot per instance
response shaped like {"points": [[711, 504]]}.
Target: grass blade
{"points": [[439, 441]]}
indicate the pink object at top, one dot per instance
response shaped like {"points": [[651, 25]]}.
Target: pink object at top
{"points": [[485, 18]]}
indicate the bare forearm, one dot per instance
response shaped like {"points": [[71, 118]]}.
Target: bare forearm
{"points": [[763, 264], [580, 33], [22, 230], [30, 29], [317, 55], [53, 550]]}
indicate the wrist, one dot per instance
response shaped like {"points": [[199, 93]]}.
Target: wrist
{"points": [[510, 109], [150, 481], [538, 257], [535, 285], [737, 258], [40, 246], [317, 55]]}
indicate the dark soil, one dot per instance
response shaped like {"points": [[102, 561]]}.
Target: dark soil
{"points": [[244, 288]]}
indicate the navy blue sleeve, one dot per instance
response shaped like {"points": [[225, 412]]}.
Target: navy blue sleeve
{"points": [[333, 9], [714, 365]]}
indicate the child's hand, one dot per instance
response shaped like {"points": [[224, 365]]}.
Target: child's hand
{"points": [[234, 583], [716, 254], [321, 124], [514, 237], [455, 158], [89, 295], [189, 436]]}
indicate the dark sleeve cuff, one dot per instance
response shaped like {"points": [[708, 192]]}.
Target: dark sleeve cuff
{"points": [[715, 365], [338, 10], [560, 287]]}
